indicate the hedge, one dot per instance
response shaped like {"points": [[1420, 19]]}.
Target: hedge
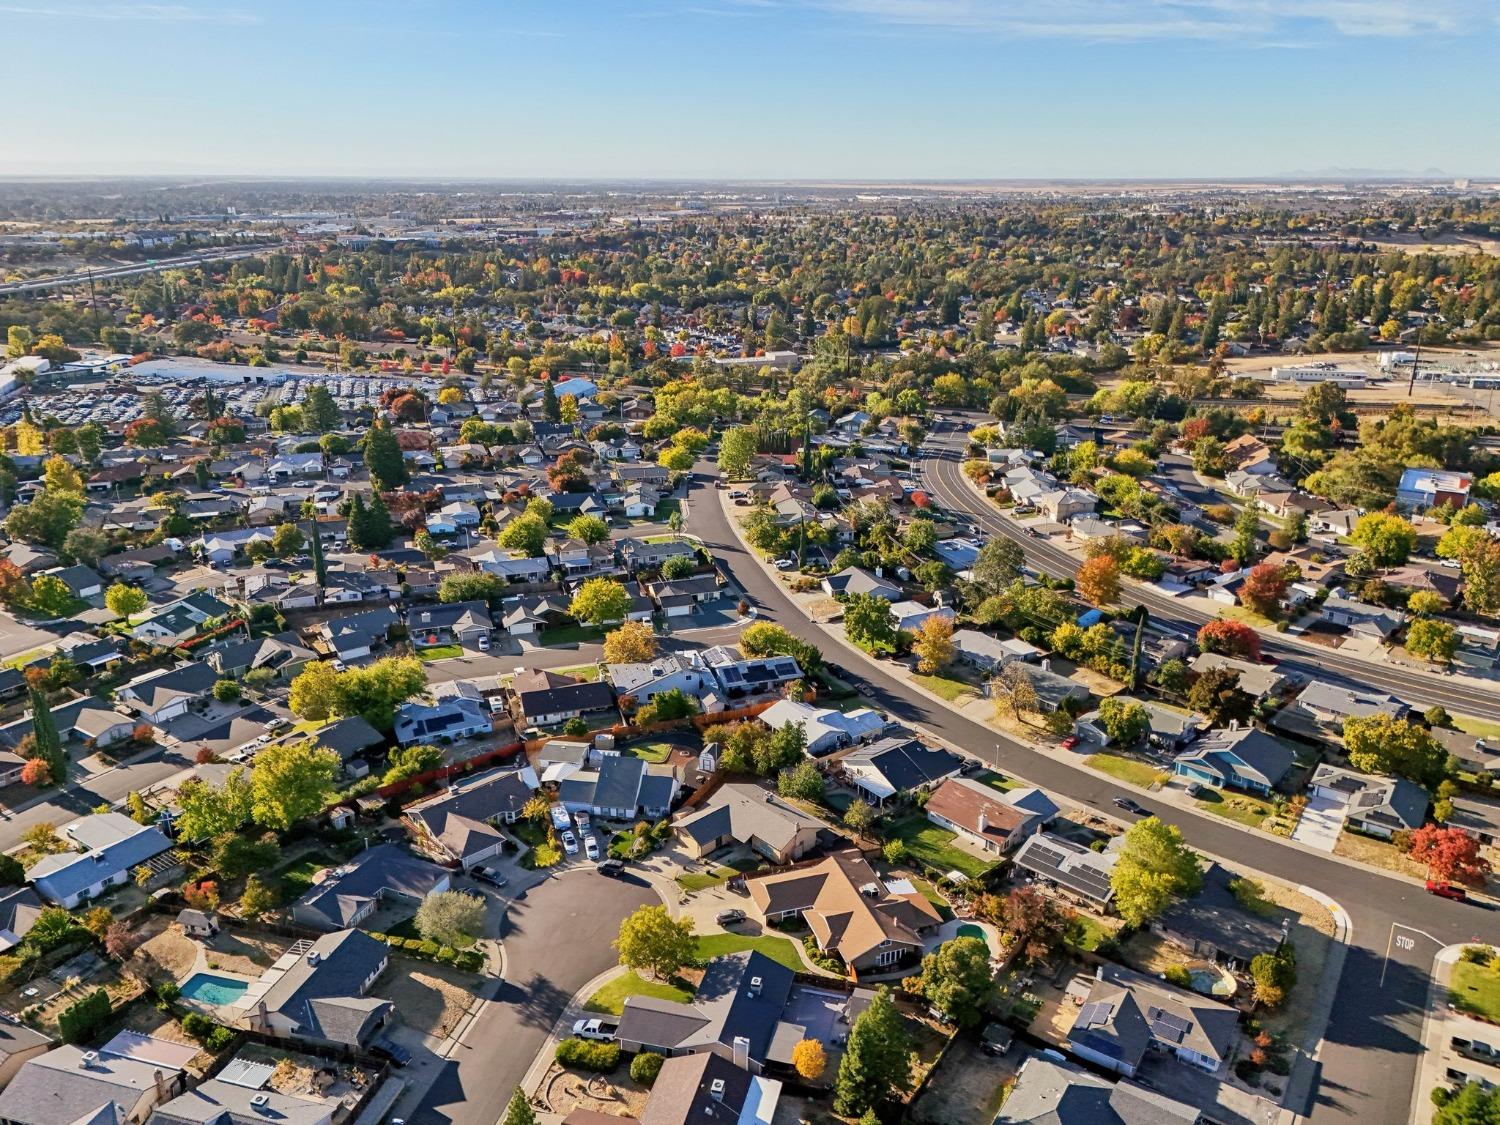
{"points": [[580, 1054], [80, 1019], [469, 960]]}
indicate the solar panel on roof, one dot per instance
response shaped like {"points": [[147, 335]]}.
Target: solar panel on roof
{"points": [[1093, 1013]]}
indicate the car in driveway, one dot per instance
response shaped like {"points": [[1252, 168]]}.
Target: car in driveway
{"points": [[570, 843], [387, 1048], [1130, 806], [729, 917], [591, 846], [602, 1031], [489, 875], [785, 564], [1070, 742], [560, 819]]}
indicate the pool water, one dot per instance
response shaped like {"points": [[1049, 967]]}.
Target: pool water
{"points": [[205, 988], [970, 930]]}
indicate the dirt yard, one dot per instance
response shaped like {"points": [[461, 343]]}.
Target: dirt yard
{"points": [[430, 998], [245, 952], [615, 1094], [967, 1089], [166, 954], [1147, 953]]}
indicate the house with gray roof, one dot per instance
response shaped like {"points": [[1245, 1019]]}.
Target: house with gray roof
{"points": [[856, 580], [1377, 805], [622, 788], [990, 654], [358, 634], [18, 1045], [1127, 1013], [1361, 618], [349, 738], [1256, 680], [1070, 867], [1331, 704], [1054, 690], [744, 813], [321, 993], [346, 895], [83, 719], [19, 907], [158, 697], [704, 1089], [1048, 1092], [462, 822], [1236, 757], [898, 765], [1215, 924], [69, 1085], [220, 1102], [1167, 728], [546, 698], [447, 720], [668, 671], [109, 846]]}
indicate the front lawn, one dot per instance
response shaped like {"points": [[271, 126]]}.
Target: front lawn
{"points": [[945, 686], [589, 672], [1127, 769], [934, 846], [571, 635], [1479, 728], [611, 998], [440, 652], [778, 949], [999, 781], [665, 508], [1475, 989], [1247, 616], [1239, 807]]}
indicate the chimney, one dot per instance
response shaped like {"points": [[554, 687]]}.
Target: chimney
{"points": [[1046, 664], [983, 824], [742, 1052], [161, 1085], [1234, 724]]}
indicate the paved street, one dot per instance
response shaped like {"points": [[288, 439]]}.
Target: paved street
{"points": [[557, 938], [1368, 1060]]}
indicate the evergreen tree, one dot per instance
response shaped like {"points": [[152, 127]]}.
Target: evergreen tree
{"points": [[378, 528], [358, 521], [518, 1111], [319, 410], [876, 1061], [383, 459], [315, 545], [551, 408], [47, 745]]}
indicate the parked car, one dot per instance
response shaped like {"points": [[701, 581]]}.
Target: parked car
{"points": [[785, 564], [484, 642], [591, 846], [278, 724], [611, 867], [729, 917], [489, 875], [597, 1029], [1446, 890], [1130, 806], [560, 819], [1070, 742], [570, 843], [387, 1048]]}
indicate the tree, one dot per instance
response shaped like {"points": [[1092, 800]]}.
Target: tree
{"points": [[1155, 868], [1246, 527], [1387, 539], [1264, 587], [859, 816], [551, 408], [260, 897], [410, 761], [375, 691], [676, 459], [526, 533], [119, 941], [1126, 721], [1274, 974], [477, 586], [877, 1058], [651, 940], [36, 772], [60, 477], [1471, 1104], [320, 412], [211, 811], [1229, 638], [1425, 603], [803, 781], [1034, 923], [590, 529], [1099, 580], [737, 448], [1380, 743], [957, 979], [46, 744], [678, 566], [933, 645], [998, 564], [450, 917], [518, 1110], [634, 642], [765, 638], [383, 458], [1449, 854], [1433, 640], [47, 519], [1017, 691], [313, 691], [868, 622], [287, 540], [370, 528], [600, 601], [809, 1060], [1216, 695], [292, 781], [51, 597]]}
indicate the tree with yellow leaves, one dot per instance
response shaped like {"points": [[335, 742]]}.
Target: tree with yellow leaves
{"points": [[30, 441], [809, 1059], [934, 645]]}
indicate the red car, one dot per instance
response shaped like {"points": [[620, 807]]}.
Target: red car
{"points": [[1446, 890], [1070, 742]]}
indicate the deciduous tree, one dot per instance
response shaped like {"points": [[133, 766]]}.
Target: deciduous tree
{"points": [[1382, 744], [600, 601], [1449, 854], [957, 979], [634, 642], [877, 1058], [652, 941], [1229, 638], [1099, 580], [933, 645], [292, 781], [1154, 869], [450, 917]]}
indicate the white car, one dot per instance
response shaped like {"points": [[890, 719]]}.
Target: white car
{"points": [[785, 564], [560, 819], [484, 642], [603, 1030], [591, 846], [570, 843]]}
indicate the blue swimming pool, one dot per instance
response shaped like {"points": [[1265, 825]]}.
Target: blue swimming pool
{"points": [[205, 988]]}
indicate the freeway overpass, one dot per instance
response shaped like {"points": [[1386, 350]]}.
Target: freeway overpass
{"points": [[112, 273]]}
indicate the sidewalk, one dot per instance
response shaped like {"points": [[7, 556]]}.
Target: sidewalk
{"points": [[1439, 1021], [1304, 1077]]}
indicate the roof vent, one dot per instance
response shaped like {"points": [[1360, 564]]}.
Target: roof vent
{"points": [[88, 1058], [717, 1089], [261, 1102], [755, 983], [313, 957]]}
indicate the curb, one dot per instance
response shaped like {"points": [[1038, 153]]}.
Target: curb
{"points": [[1311, 1047], [531, 1081], [1437, 987]]}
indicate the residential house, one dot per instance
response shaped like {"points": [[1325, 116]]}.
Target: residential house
{"points": [[743, 813], [1249, 454], [546, 698], [1048, 1092], [1054, 691], [683, 672], [1061, 505], [1474, 754], [181, 620], [872, 926], [515, 569], [684, 596], [283, 655], [72, 1086], [910, 616], [81, 581], [990, 654], [853, 580], [321, 994], [1168, 729], [637, 554], [1257, 680], [1215, 924], [346, 895], [1128, 1013], [1361, 618], [1331, 704], [988, 819], [824, 729], [744, 680], [530, 614], [221, 1101], [622, 788], [110, 846], [158, 697], [1078, 872], [19, 1044], [1375, 805], [895, 767], [461, 823], [461, 623], [1478, 816], [1236, 758], [705, 1089], [88, 719], [1431, 488], [447, 720], [357, 635], [19, 907]]}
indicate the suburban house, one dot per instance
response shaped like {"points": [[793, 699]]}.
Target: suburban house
{"points": [[358, 635], [1429, 488], [825, 730], [1070, 867], [158, 697], [705, 1089], [1236, 758], [639, 554], [81, 581], [911, 616], [349, 738], [181, 620], [1127, 1014], [69, 1086], [871, 925], [110, 846], [1216, 925], [1169, 730], [529, 614], [990, 654], [284, 655], [87, 718], [622, 788], [1256, 680], [19, 907], [682, 596], [1331, 704], [987, 819], [450, 719], [1048, 1092], [736, 1015], [1478, 816], [224, 1101], [460, 823], [743, 813], [321, 994], [460, 623], [18, 1045], [347, 895], [1374, 804], [1054, 690], [683, 672], [744, 680], [896, 766], [854, 580], [1361, 618], [545, 698]]}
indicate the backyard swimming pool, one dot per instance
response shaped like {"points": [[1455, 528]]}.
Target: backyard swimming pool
{"points": [[968, 929], [205, 988]]}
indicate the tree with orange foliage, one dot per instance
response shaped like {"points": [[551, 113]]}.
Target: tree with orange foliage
{"points": [[1449, 854], [36, 772], [1099, 580], [1264, 587], [1229, 638]]}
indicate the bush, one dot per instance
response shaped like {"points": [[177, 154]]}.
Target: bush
{"points": [[199, 1026], [580, 1054], [645, 1067], [1178, 975], [82, 1018]]}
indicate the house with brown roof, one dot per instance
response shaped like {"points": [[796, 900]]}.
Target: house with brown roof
{"points": [[870, 924], [987, 819]]}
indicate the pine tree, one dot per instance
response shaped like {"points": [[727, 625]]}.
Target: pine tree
{"points": [[315, 544], [47, 745], [551, 408], [358, 522], [378, 528], [383, 459], [876, 1061]]}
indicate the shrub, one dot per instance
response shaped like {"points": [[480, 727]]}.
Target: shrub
{"points": [[199, 1026], [83, 1017], [580, 1054], [1178, 975], [645, 1067]]}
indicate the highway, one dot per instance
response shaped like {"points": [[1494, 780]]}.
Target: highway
{"points": [[111, 273], [1364, 1072]]}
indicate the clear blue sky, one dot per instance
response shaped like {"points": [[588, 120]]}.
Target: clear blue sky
{"points": [[868, 89]]}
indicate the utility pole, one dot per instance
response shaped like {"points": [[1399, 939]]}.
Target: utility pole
{"points": [[1416, 362]]}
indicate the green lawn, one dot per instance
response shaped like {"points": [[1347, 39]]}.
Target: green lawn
{"points": [[572, 635], [654, 752], [665, 508], [931, 894], [1240, 807], [589, 672], [440, 652], [1479, 728], [778, 949], [611, 998], [298, 876], [1248, 616], [934, 846], [1476, 989], [1085, 933], [999, 781], [944, 686], [1127, 769]]}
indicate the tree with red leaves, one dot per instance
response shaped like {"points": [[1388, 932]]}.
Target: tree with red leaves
{"points": [[1229, 638], [1264, 587], [1450, 854], [1195, 430], [36, 772]]}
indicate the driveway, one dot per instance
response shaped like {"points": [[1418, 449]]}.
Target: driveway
{"points": [[1321, 823], [557, 938]]}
